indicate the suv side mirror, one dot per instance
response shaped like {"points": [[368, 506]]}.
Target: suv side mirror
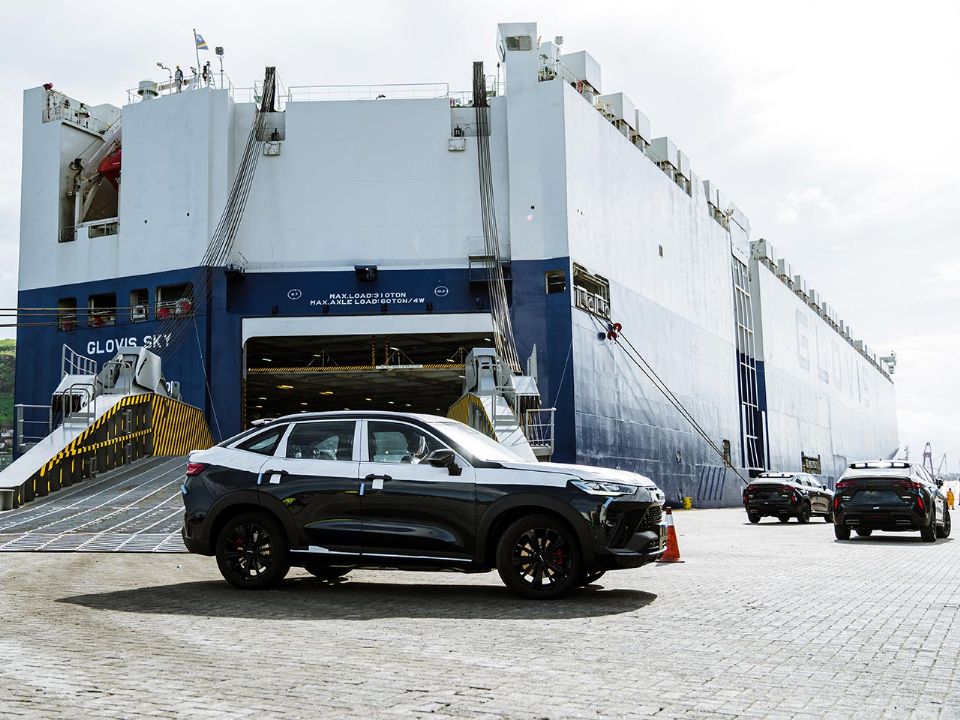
{"points": [[939, 483], [444, 458]]}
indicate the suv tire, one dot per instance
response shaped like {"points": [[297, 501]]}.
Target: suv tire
{"points": [[251, 552], [929, 533], [841, 532], [753, 517], [803, 514], [944, 530], [538, 557], [784, 518]]}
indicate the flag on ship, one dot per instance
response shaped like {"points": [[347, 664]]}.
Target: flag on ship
{"points": [[201, 43]]}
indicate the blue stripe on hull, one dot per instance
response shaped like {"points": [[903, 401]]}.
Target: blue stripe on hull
{"points": [[607, 413]]}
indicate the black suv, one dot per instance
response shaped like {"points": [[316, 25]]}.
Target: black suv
{"points": [[330, 492], [893, 496], [785, 495]]}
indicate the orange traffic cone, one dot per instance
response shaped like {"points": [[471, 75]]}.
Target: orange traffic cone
{"points": [[672, 555]]}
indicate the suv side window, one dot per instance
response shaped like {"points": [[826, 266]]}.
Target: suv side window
{"points": [[322, 441], [264, 443], [391, 442]]}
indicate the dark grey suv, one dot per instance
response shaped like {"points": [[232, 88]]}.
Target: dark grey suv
{"points": [[330, 492]]}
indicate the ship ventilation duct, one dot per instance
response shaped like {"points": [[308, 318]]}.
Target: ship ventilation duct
{"points": [[503, 327]]}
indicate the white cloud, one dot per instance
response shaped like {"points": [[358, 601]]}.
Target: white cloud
{"points": [[927, 380], [810, 204], [942, 283]]}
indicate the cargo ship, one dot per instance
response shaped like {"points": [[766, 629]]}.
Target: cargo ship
{"points": [[328, 247]]}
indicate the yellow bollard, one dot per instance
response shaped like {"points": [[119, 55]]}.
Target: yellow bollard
{"points": [[687, 503]]}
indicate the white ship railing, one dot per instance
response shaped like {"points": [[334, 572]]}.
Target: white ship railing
{"points": [[32, 423], [413, 91], [73, 363], [71, 110], [221, 81]]}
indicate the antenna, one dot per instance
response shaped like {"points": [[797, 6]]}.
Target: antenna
{"points": [[219, 52]]}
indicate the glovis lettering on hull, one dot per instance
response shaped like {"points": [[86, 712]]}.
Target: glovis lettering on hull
{"points": [[112, 346]]}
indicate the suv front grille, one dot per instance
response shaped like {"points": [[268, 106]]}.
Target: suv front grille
{"points": [[624, 526], [651, 519]]}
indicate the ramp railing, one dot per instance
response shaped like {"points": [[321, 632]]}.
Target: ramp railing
{"points": [[73, 363], [538, 426], [32, 423]]}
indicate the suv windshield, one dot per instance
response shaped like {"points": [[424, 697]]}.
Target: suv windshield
{"points": [[476, 443]]}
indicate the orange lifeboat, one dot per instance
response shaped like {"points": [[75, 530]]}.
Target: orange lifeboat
{"points": [[109, 167]]}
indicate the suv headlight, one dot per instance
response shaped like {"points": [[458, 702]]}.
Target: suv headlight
{"points": [[600, 487]]}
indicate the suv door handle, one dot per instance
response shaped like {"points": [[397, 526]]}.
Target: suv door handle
{"points": [[378, 477], [276, 472]]}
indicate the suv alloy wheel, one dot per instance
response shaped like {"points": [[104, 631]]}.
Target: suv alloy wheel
{"points": [[252, 552], [538, 557]]}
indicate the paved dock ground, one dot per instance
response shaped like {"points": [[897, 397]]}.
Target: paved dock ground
{"points": [[135, 508], [768, 621]]}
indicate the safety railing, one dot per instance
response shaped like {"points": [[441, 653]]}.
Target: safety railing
{"points": [[73, 363], [411, 91], [218, 81], [31, 424], [61, 107], [538, 426], [76, 403]]}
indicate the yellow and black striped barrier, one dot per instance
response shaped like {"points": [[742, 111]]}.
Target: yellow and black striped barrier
{"points": [[136, 427]]}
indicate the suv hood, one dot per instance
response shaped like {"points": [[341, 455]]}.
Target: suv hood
{"points": [[586, 472]]}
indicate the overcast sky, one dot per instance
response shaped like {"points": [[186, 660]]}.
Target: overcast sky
{"points": [[834, 126]]}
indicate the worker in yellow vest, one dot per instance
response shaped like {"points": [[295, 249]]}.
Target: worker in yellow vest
{"points": [[950, 498]]}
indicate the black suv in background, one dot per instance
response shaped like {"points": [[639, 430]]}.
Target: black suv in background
{"points": [[893, 496], [785, 495], [330, 492]]}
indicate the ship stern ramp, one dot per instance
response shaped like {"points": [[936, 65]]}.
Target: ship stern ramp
{"points": [[107, 419]]}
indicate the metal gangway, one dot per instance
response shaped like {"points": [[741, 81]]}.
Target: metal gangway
{"points": [[505, 406]]}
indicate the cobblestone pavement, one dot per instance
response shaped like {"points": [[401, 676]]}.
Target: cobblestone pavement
{"points": [[767, 621]]}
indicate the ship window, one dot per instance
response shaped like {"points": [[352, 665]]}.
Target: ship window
{"points": [[556, 281], [139, 299], [591, 292], [519, 42], [67, 313], [174, 301], [102, 310]]}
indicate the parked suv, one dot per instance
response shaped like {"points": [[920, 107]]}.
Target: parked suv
{"points": [[330, 492], [785, 495], [893, 496]]}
